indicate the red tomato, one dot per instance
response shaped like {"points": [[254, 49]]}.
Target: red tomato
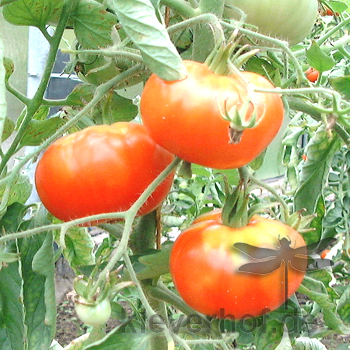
{"points": [[324, 253], [185, 116], [101, 169], [205, 264], [312, 74]]}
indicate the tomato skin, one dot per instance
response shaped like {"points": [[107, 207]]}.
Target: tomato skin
{"points": [[204, 266], [312, 74], [325, 253], [185, 116], [93, 315], [290, 20], [101, 169]]}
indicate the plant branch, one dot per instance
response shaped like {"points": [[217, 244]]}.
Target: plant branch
{"points": [[181, 7]]}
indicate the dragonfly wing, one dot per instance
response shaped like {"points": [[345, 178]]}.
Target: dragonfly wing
{"points": [[261, 267], [255, 252], [320, 245]]}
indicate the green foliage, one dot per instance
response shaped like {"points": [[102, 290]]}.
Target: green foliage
{"points": [[117, 45]]}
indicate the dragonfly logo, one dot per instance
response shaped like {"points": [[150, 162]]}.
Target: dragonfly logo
{"points": [[266, 260]]}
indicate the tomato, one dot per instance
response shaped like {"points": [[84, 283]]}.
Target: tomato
{"points": [[204, 264], [93, 315], [312, 74], [185, 116], [101, 169], [325, 253], [289, 20]]}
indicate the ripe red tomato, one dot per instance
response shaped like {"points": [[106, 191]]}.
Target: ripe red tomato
{"points": [[312, 74], [185, 116], [101, 169], [205, 264]]}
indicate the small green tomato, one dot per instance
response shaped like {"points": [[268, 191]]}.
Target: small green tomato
{"points": [[93, 315]]}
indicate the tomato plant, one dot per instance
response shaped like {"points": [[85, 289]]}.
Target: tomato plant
{"points": [[184, 115], [205, 267], [101, 169], [291, 20], [212, 85]]}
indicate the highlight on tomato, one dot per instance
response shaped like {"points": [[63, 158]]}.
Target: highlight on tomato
{"points": [[289, 20], [233, 273], [190, 117], [101, 169]]}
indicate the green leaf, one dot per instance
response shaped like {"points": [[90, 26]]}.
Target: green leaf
{"points": [[308, 344], [93, 24], [116, 108], [317, 223], [317, 59], [12, 329], [342, 85], [81, 94], [35, 13], [9, 67], [269, 335], [139, 20], [9, 127], [129, 336], [39, 130], [12, 219], [320, 152], [5, 2], [343, 307], [38, 290], [79, 247]]}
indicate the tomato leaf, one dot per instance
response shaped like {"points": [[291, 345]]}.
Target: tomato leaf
{"points": [[320, 152], [80, 95], [12, 330], [39, 289], [127, 336], [38, 131], [269, 335], [317, 59], [5, 2], [93, 24], [9, 127], [116, 108], [342, 85], [79, 247], [139, 20], [343, 307], [31, 12], [307, 343]]}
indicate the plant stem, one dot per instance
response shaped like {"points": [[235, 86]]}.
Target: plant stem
{"points": [[36, 102], [3, 105], [181, 7]]}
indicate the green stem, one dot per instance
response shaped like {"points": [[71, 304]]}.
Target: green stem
{"points": [[36, 102], [129, 219], [3, 104], [277, 43], [301, 106], [324, 38], [24, 99], [181, 7]]}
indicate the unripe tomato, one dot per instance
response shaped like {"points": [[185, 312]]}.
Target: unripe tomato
{"points": [[101, 169], [312, 74], [290, 20], [93, 315], [205, 265], [186, 116]]}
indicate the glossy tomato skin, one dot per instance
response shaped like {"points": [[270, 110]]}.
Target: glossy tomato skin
{"points": [[185, 117], [101, 169], [204, 266]]}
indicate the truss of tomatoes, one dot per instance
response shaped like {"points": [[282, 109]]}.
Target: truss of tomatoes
{"points": [[101, 169], [186, 117], [206, 266]]}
